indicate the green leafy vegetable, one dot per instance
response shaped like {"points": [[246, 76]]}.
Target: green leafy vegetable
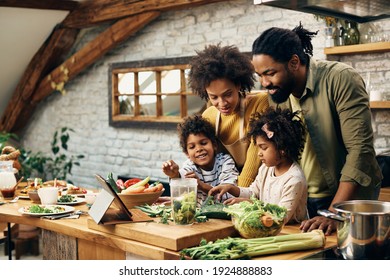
{"points": [[213, 209], [184, 208], [112, 182], [257, 219], [157, 211], [66, 198], [238, 248], [44, 209]]}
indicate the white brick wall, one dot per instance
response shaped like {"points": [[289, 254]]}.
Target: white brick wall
{"points": [[140, 152]]}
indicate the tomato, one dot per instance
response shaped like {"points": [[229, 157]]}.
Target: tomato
{"points": [[132, 181]]}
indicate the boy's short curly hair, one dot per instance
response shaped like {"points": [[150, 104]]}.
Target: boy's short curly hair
{"points": [[216, 62], [195, 125], [287, 127]]}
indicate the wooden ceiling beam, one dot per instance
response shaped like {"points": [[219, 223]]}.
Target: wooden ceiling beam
{"points": [[107, 40], [64, 5], [49, 56], [94, 12]]}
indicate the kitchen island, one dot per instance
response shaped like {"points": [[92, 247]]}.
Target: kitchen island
{"points": [[83, 239]]}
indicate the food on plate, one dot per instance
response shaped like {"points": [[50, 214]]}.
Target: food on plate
{"points": [[35, 208], [66, 198], [76, 190], [57, 183], [256, 218], [32, 186]]}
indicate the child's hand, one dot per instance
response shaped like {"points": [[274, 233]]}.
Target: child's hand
{"points": [[171, 169], [219, 190], [234, 200], [192, 174]]}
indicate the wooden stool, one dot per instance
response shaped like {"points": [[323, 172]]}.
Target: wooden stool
{"points": [[26, 240]]}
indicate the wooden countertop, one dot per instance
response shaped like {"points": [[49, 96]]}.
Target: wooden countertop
{"points": [[78, 228]]}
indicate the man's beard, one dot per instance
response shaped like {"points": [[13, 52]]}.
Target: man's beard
{"points": [[282, 93], [280, 96]]}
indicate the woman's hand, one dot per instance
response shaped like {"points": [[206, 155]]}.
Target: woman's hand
{"points": [[171, 169], [319, 222]]}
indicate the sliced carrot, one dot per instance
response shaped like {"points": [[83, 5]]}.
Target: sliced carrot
{"points": [[150, 189], [139, 189], [159, 187], [267, 220]]}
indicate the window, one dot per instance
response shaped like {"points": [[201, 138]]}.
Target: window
{"points": [[151, 93]]}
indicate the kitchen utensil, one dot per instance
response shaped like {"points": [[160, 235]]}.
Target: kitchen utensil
{"points": [[363, 231], [134, 199]]}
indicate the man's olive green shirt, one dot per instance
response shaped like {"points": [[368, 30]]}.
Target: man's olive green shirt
{"points": [[335, 107]]}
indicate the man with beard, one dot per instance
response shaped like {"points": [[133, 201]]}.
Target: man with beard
{"points": [[338, 158]]}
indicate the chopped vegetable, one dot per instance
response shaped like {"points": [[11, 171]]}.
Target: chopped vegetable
{"points": [[66, 198], [184, 208], [157, 211], [238, 248], [44, 209], [213, 209], [249, 220]]}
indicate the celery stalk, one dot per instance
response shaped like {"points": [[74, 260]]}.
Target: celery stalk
{"points": [[237, 248]]}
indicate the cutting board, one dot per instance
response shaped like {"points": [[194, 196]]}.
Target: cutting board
{"points": [[171, 236]]}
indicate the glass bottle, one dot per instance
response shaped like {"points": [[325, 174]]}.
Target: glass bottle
{"points": [[351, 33]]}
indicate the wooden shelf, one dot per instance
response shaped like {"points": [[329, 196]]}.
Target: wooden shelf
{"points": [[380, 104], [360, 48]]}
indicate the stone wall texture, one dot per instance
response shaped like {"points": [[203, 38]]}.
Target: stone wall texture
{"points": [[140, 152]]}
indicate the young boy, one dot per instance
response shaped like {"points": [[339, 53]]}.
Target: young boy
{"points": [[279, 135], [199, 143]]}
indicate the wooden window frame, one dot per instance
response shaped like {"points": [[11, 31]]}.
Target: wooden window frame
{"points": [[137, 120]]}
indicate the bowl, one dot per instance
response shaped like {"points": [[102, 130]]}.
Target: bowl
{"points": [[33, 195], [247, 231], [137, 199]]}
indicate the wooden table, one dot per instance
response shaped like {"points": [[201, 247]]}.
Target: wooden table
{"points": [[83, 242]]}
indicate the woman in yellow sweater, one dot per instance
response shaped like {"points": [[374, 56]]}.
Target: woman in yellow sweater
{"points": [[223, 76]]}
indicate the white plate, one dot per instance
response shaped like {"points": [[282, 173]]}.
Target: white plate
{"points": [[67, 209], [76, 200], [24, 197]]}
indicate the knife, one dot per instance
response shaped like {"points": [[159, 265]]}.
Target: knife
{"points": [[56, 217]]}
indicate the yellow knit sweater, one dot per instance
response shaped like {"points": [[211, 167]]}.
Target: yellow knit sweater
{"points": [[229, 133]]}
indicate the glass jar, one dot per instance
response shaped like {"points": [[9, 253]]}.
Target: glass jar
{"points": [[351, 33], [7, 179]]}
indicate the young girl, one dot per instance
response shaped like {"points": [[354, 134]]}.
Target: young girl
{"points": [[199, 143], [279, 135]]}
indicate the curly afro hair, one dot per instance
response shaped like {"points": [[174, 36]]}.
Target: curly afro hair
{"points": [[195, 125], [216, 62], [287, 127]]}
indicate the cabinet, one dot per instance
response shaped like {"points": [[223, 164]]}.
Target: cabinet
{"points": [[362, 49]]}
